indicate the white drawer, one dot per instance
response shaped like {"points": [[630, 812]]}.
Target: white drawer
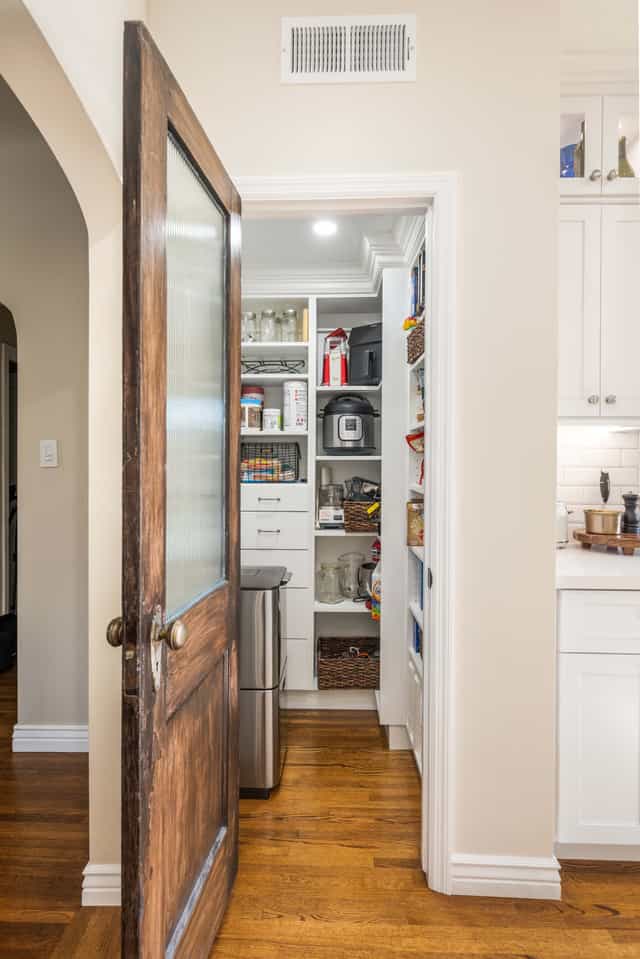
{"points": [[599, 621], [300, 664], [297, 561], [274, 530], [274, 496], [297, 614]]}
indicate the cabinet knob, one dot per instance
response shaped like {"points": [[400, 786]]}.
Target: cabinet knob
{"points": [[595, 175], [612, 175], [593, 399], [610, 398], [115, 631], [174, 635]]}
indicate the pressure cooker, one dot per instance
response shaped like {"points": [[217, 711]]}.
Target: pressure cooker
{"points": [[348, 425]]}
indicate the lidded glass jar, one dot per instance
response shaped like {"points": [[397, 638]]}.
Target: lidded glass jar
{"points": [[249, 327], [350, 564], [289, 325], [328, 583], [268, 326]]}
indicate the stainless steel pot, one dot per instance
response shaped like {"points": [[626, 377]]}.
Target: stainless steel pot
{"points": [[606, 522]]}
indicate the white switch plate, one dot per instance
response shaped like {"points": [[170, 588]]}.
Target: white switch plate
{"points": [[48, 453]]}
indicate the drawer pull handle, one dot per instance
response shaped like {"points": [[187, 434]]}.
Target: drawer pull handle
{"points": [[268, 499], [268, 530]]}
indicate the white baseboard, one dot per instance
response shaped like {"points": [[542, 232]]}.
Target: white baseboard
{"points": [[29, 738], [328, 699], [397, 737], [505, 876], [597, 851], [101, 884]]}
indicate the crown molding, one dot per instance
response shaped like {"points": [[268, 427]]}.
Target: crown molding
{"points": [[379, 252], [599, 72]]}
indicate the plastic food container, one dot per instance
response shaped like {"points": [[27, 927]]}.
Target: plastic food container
{"points": [[271, 420], [415, 523]]}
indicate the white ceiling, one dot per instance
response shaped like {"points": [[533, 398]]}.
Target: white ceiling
{"points": [[284, 254]]}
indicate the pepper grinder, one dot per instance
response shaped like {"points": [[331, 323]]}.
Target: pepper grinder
{"points": [[631, 518], [605, 486]]}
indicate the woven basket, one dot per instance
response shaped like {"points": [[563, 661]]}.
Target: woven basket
{"points": [[336, 672], [415, 343], [357, 519]]}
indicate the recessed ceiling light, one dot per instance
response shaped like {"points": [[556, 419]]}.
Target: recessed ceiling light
{"points": [[325, 227]]}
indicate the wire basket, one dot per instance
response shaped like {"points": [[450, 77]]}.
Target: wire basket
{"points": [[270, 463], [343, 665]]}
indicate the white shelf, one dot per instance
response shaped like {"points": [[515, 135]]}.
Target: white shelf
{"points": [[416, 427], [416, 659], [418, 552], [349, 389], [272, 379], [417, 488], [346, 606], [341, 532], [255, 346], [416, 363], [272, 434], [417, 613], [348, 459]]}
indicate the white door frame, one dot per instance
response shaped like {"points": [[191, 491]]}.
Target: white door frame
{"points": [[273, 196]]}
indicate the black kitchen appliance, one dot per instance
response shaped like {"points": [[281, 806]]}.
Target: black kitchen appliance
{"points": [[365, 355], [348, 426]]}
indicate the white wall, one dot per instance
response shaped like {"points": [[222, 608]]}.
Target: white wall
{"points": [[44, 280], [485, 105]]}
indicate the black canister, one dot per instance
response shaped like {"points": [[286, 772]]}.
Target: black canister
{"points": [[631, 517]]}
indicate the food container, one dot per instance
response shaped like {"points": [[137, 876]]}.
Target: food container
{"points": [[415, 523], [271, 420], [603, 521], [289, 325], [350, 565], [251, 404], [328, 583], [268, 326], [249, 327], [294, 397]]}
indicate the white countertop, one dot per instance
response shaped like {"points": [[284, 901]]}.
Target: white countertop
{"points": [[595, 568]]}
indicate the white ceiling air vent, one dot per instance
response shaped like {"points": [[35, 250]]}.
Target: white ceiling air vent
{"points": [[348, 49]]}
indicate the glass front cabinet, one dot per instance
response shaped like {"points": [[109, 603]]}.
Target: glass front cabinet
{"points": [[599, 147]]}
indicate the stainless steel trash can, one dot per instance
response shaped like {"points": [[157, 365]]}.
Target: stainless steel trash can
{"points": [[262, 675]]}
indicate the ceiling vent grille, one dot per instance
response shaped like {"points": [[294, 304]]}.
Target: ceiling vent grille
{"points": [[348, 49]]}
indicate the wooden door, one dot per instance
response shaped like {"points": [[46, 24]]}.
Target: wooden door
{"points": [[181, 518], [620, 310], [579, 311]]}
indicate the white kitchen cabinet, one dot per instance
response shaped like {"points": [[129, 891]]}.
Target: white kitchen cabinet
{"points": [[598, 310], [579, 310], [620, 310], [599, 749], [609, 128]]}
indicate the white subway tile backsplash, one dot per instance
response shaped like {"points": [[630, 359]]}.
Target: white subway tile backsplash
{"points": [[582, 453]]}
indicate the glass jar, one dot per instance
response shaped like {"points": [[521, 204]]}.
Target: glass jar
{"points": [[328, 583], [268, 326], [415, 523], [249, 327], [350, 564], [289, 326]]}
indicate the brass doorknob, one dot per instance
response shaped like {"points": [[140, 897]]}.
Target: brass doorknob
{"points": [[174, 634], [115, 631]]}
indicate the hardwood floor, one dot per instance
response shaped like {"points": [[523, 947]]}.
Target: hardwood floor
{"points": [[44, 829], [329, 870]]}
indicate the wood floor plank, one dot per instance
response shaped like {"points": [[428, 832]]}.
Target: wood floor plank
{"points": [[329, 869]]}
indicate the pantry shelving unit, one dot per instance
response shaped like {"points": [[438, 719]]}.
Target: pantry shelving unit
{"points": [[279, 520]]}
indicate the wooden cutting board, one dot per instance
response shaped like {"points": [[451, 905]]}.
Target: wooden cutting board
{"points": [[627, 542]]}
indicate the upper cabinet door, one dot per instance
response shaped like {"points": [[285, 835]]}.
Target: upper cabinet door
{"points": [[620, 145], [620, 310], [580, 155], [579, 311]]}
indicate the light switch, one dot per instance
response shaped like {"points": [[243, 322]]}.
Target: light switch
{"points": [[48, 453]]}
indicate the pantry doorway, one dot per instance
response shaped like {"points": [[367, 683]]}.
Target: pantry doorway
{"points": [[281, 197]]}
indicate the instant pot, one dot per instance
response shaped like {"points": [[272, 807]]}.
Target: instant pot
{"points": [[348, 425]]}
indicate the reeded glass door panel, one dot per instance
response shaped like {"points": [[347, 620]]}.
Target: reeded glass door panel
{"points": [[621, 146], [196, 311], [580, 145]]}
